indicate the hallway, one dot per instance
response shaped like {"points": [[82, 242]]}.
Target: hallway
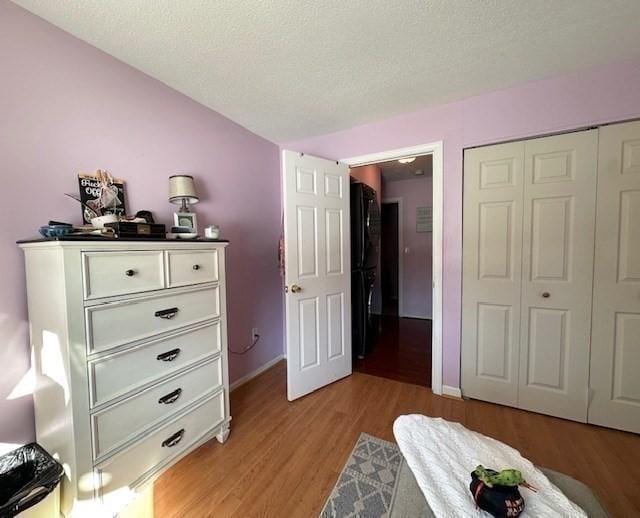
{"points": [[402, 351]]}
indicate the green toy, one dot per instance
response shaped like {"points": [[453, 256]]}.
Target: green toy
{"points": [[506, 477]]}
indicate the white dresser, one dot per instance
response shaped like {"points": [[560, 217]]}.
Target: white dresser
{"points": [[129, 345]]}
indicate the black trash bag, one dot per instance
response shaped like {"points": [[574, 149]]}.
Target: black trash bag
{"points": [[27, 476], [498, 501]]}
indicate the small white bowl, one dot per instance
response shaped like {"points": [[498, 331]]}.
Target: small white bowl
{"points": [[100, 221], [182, 235]]}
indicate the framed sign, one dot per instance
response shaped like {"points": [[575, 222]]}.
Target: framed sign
{"points": [[186, 219], [100, 194], [424, 219]]}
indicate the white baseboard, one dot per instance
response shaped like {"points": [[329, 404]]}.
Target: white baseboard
{"points": [[451, 391], [248, 377]]}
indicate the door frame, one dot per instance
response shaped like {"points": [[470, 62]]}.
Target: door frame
{"points": [[435, 149], [399, 202]]}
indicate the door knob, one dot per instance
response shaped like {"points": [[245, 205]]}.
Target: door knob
{"points": [[296, 289], [546, 295]]}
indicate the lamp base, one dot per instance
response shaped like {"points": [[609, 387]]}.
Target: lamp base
{"points": [[184, 207]]}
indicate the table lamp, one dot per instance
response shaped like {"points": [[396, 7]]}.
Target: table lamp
{"points": [[182, 191]]}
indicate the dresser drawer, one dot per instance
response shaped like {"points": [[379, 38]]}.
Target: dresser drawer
{"points": [[114, 375], [117, 323], [149, 454], [107, 274], [117, 424], [185, 267]]}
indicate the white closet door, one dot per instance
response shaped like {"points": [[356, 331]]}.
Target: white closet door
{"points": [[615, 349], [557, 273], [492, 247]]}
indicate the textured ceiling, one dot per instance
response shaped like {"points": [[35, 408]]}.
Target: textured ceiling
{"points": [[288, 69], [393, 171]]}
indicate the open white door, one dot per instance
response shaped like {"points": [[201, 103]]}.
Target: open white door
{"points": [[318, 272]]}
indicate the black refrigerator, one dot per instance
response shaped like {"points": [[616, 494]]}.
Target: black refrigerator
{"points": [[365, 240]]}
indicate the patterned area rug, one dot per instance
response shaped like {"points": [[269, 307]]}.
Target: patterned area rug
{"points": [[367, 484], [376, 482]]}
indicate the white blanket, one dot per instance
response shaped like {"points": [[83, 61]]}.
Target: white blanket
{"points": [[442, 455]]}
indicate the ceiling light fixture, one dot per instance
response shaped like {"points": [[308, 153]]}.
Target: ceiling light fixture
{"points": [[407, 160]]}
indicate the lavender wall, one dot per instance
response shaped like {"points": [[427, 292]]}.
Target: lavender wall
{"points": [[66, 107], [416, 264], [604, 94]]}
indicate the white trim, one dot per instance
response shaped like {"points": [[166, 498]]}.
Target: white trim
{"points": [[248, 377], [451, 391], [400, 254], [436, 150], [392, 154]]}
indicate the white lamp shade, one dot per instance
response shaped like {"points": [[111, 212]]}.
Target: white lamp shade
{"points": [[181, 187]]}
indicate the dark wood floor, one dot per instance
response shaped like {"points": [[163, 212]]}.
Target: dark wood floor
{"points": [[402, 351], [282, 459]]}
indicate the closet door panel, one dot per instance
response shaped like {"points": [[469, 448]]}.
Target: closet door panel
{"points": [[546, 364], [557, 263], [615, 349], [492, 247]]}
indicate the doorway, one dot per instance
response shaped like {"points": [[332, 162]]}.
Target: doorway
{"points": [[389, 257], [399, 305], [322, 296]]}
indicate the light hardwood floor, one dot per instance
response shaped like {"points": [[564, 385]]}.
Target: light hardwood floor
{"points": [[282, 459]]}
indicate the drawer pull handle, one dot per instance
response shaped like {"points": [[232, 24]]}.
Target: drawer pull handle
{"points": [[130, 273], [171, 397], [167, 313], [169, 356], [173, 440], [196, 266]]}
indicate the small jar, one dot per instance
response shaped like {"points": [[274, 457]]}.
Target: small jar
{"points": [[212, 232]]}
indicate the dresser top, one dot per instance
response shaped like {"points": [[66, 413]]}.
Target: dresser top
{"points": [[128, 243], [101, 239]]}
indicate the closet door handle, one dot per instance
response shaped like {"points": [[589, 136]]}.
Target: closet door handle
{"points": [[130, 273], [167, 314], [171, 397], [546, 295], [196, 266], [170, 442], [169, 356]]}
